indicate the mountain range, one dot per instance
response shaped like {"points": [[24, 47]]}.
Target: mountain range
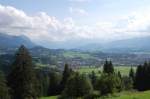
{"points": [[141, 44], [9, 41]]}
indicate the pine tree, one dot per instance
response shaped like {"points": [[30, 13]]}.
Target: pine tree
{"points": [[108, 84], [66, 74], [139, 78], [132, 74], [54, 84], [77, 86], [119, 75], [127, 83], [108, 67], [22, 79], [93, 78], [43, 79], [4, 94]]}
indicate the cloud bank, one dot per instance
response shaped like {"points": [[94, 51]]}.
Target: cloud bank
{"points": [[42, 27]]}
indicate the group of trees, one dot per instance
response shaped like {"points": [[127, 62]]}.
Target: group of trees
{"points": [[142, 77], [24, 81]]}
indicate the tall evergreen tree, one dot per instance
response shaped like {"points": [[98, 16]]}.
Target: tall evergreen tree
{"points": [[54, 84], [66, 74], [119, 75], [127, 83], [108, 84], [140, 78], [93, 78], [22, 79], [132, 74], [108, 67], [43, 79], [77, 86], [4, 94]]}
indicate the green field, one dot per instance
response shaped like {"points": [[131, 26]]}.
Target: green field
{"points": [[123, 69], [122, 95], [51, 97], [131, 95], [71, 54]]}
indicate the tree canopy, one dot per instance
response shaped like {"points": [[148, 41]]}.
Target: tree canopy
{"points": [[22, 79]]}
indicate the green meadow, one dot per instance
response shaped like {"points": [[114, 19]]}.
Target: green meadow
{"points": [[131, 95], [122, 95], [123, 69], [51, 97]]}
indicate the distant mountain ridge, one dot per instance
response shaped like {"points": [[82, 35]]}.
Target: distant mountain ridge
{"points": [[128, 45], [9, 41], [141, 44]]}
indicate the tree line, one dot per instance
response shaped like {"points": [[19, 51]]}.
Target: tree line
{"points": [[24, 81]]}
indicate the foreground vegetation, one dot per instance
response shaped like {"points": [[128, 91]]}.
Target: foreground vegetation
{"points": [[25, 81], [122, 95]]}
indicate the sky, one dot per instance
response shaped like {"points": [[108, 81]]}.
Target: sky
{"points": [[51, 21]]}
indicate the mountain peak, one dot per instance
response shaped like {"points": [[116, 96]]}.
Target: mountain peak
{"points": [[7, 41]]}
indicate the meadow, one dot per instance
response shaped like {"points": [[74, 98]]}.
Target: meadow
{"points": [[131, 95], [51, 97], [122, 95], [124, 70]]}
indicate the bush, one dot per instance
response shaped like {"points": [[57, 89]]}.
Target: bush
{"points": [[93, 95], [127, 83], [77, 86], [108, 84]]}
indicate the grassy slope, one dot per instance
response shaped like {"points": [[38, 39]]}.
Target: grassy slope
{"points": [[123, 95], [132, 95], [51, 97]]}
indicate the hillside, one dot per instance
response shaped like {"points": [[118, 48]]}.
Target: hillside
{"points": [[140, 44], [9, 41]]}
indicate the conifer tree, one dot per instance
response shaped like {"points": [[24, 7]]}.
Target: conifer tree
{"points": [[108, 67], [139, 78], [108, 84], [132, 74], [54, 83], [66, 74], [93, 78], [4, 94], [77, 86], [119, 75], [22, 79]]}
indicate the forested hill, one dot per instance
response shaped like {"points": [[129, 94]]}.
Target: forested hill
{"points": [[9, 41]]}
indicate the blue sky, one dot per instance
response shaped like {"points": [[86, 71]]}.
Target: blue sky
{"points": [[63, 20], [97, 9]]}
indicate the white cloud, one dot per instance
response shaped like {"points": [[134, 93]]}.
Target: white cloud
{"points": [[42, 27], [78, 11], [37, 27]]}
